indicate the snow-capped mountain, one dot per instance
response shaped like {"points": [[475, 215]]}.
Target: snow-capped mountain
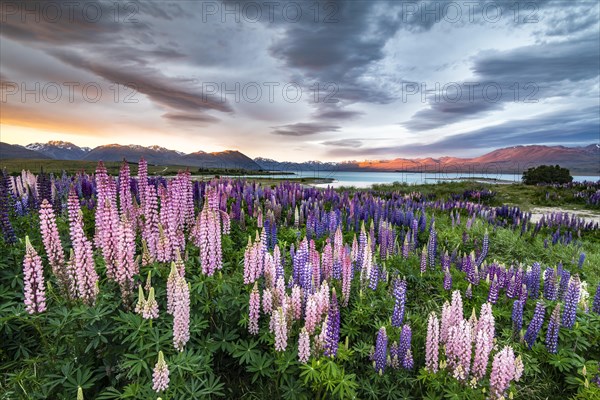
{"points": [[59, 150]]}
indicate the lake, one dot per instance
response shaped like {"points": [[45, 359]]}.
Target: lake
{"points": [[366, 179]]}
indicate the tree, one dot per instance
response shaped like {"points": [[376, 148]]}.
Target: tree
{"points": [[547, 174]]}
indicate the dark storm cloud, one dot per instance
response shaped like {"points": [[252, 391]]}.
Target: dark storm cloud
{"points": [[303, 129], [152, 83]]}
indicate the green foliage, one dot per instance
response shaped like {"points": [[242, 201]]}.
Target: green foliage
{"points": [[547, 174]]}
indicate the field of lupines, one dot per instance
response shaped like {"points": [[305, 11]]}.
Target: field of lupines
{"points": [[144, 288]]}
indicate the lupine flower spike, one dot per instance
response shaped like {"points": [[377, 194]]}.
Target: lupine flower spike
{"points": [[160, 375]]}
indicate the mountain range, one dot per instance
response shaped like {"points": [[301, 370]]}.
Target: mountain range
{"points": [[580, 160]]}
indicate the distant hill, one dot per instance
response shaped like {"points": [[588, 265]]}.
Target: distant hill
{"points": [[155, 155], [579, 160], [16, 151]]}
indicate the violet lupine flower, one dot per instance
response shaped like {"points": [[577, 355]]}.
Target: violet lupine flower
{"points": [[448, 281], [581, 260], [553, 328], [571, 300], [533, 280], [404, 347], [6, 199], [399, 293], [517, 317], [280, 329], [469, 291], [303, 346], [181, 314], [484, 249], [160, 375], [150, 310], [493, 293], [432, 344], [432, 246], [254, 310], [33, 280], [565, 276], [503, 372], [380, 355], [535, 325], [596, 304], [550, 292]]}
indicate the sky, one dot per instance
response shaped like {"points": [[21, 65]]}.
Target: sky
{"points": [[302, 80]]}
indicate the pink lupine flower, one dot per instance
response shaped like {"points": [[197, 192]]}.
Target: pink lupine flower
{"points": [[311, 319], [432, 344], [82, 258], [280, 328], [33, 280], [446, 322], [141, 303], [125, 199], [503, 371], [347, 275], [304, 346], [519, 367], [254, 310], [297, 302], [327, 260], [208, 237], [171, 288], [54, 250], [160, 375], [458, 349], [267, 301], [457, 308], [126, 266], [150, 310], [181, 314], [483, 347], [150, 232]]}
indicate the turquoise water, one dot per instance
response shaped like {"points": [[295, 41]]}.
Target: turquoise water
{"points": [[366, 179]]}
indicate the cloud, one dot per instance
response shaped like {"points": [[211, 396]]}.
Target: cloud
{"points": [[201, 119], [172, 93], [532, 72], [566, 127], [303, 129], [343, 143]]}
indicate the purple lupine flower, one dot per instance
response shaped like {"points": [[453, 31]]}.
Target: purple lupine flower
{"points": [[432, 246], [432, 344], [581, 260], [565, 276], [493, 294], [550, 292], [160, 375], [517, 317], [503, 371], [484, 249], [553, 328], [533, 280], [448, 281], [333, 327], [404, 346], [535, 325], [33, 280], [571, 300], [469, 292], [399, 293], [380, 356], [596, 304]]}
